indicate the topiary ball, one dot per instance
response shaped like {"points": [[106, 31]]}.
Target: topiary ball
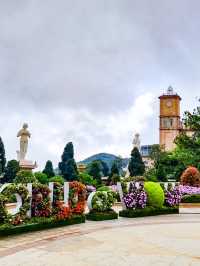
{"points": [[191, 177], [155, 194]]}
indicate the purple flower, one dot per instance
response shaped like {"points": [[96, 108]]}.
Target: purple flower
{"points": [[90, 188], [136, 197]]}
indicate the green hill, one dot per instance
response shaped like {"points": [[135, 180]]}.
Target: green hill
{"points": [[106, 157]]}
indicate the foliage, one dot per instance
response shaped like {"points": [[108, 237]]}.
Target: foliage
{"points": [[101, 216], [105, 168], [77, 199], [148, 211], [104, 188], [3, 211], [115, 179], [20, 189], [103, 201], [151, 175], [24, 177], [188, 147], [195, 198], [114, 169], [87, 179], [155, 194], [36, 224], [191, 177], [136, 197], [94, 170], [40, 201], [67, 165], [11, 171], [48, 170], [136, 166], [41, 177], [2, 157], [57, 179], [134, 179]]}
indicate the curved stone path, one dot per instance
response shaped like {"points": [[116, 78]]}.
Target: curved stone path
{"points": [[160, 240]]}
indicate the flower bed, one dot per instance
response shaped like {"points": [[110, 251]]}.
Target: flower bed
{"points": [[100, 205], [36, 224], [34, 201], [148, 211], [195, 198], [101, 216]]}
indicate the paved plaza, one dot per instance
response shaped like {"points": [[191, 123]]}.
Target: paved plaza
{"points": [[162, 240]]}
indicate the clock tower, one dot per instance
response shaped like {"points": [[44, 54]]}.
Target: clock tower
{"points": [[170, 121]]}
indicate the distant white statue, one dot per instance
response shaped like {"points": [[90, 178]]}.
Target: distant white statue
{"points": [[24, 135], [136, 141]]}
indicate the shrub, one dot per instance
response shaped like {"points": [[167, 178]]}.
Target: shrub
{"points": [[103, 201], [155, 194], [115, 178], [104, 188], [87, 179], [57, 179], [41, 177], [191, 177], [195, 198], [148, 211], [101, 216], [24, 177]]}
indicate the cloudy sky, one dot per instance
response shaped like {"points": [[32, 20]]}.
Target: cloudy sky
{"points": [[91, 71]]}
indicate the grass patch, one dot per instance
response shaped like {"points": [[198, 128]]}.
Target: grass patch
{"points": [[101, 216], [39, 224], [148, 211]]}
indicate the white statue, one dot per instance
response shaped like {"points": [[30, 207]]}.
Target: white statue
{"points": [[136, 141], [24, 135]]}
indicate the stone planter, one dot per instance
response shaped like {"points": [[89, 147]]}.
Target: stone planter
{"points": [[189, 208]]}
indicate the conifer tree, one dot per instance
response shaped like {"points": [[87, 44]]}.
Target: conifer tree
{"points": [[48, 170], [136, 165], [94, 169], [67, 166], [11, 171], [2, 157]]}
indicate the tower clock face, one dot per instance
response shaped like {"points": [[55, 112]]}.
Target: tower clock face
{"points": [[169, 103]]}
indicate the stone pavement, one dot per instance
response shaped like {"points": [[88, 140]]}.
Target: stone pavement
{"points": [[161, 240]]}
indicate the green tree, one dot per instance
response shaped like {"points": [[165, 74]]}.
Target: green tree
{"points": [[105, 168], [114, 169], [94, 170], [187, 150], [25, 176], [12, 168], [48, 170], [67, 166], [136, 165], [87, 179], [41, 177], [2, 157]]}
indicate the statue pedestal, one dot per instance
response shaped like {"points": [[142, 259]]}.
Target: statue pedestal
{"points": [[27, 165]]}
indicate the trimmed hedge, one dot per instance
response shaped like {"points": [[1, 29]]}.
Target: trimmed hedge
{"points": [[155, 194], [148, 211], [195, 198], [45, 223], [101, 216]]}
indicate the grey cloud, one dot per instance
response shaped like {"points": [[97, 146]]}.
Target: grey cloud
{"points": [[96, 57]]}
